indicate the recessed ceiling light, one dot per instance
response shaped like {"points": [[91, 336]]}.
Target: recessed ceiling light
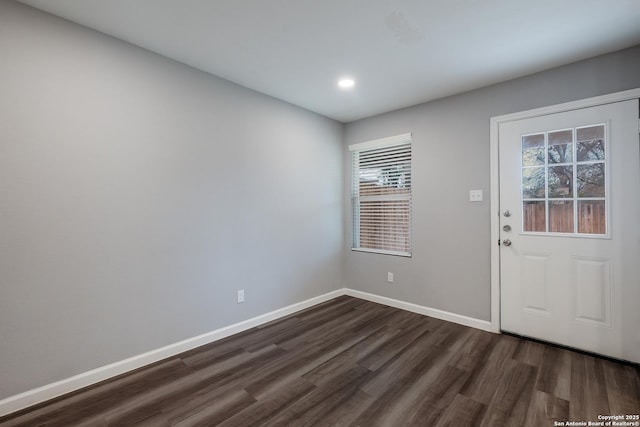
{"points": [[346, 83]]}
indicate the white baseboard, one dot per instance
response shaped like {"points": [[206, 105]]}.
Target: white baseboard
{"points": [[58, 388], [85, 379], [426, 311]]}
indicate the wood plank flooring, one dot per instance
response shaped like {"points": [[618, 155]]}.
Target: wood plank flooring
{"points": [[349, 362]]}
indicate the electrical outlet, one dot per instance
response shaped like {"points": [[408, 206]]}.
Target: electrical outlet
{"points": [[240, 296], [389, 277], [475, 195]]}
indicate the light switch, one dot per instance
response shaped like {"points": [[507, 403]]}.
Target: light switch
{"points": [[475, 195]]}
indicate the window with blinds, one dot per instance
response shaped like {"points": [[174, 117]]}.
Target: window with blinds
{"points": [[381, 195]]}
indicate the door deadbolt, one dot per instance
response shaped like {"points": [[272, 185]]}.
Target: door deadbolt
{"points": [[506, 228], [507, 214]]}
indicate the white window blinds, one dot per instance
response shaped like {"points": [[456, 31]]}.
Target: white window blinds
{"points": [[381, 195]]}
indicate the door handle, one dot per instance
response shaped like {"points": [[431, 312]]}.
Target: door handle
{"points": [[506, 242]]}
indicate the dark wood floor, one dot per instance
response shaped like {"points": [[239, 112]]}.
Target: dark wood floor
{"points": [[350, 362]]}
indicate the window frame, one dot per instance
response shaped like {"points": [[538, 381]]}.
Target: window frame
{"points": [[575, 199], [357, 198]]}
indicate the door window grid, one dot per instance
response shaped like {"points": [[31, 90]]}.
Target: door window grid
{"points": [[564, 182]]}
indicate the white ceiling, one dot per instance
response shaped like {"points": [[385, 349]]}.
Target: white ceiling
{"points": [[400, 52]]}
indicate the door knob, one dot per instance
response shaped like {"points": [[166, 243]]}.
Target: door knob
{"points": [[506, 242]]}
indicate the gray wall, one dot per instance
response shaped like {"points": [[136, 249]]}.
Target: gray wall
{"points": [[450, 268], [137, 195]]}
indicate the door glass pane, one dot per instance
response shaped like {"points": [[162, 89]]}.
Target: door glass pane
{"points": [[590, 144], [561, 216], [590, 180], [533, 216], [561, 181], [533, 186], [533, 150], [560, 146], [592, 217], [560, 169]]}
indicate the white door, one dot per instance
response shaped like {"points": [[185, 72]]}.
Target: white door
{"points": [[570, 228]]}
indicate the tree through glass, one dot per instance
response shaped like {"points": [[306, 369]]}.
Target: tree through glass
{"points": [[564, 181]]}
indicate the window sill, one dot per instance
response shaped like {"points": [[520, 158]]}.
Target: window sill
{"points": [[382, 252]]}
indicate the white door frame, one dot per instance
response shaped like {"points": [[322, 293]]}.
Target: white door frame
{"points": [[495, 178]]}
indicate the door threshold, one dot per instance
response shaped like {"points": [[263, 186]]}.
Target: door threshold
{"points": [[576, 350]]}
